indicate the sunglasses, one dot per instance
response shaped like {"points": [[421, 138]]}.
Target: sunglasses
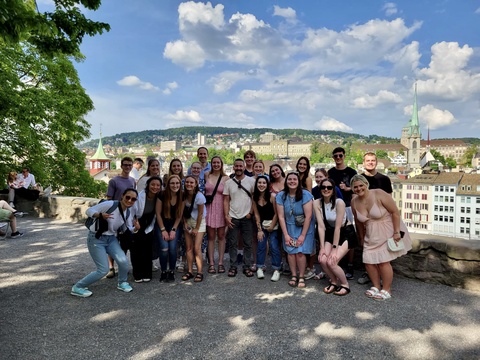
{"points": [[326, 187], [127, 165], [130, 198], [337, 156]]}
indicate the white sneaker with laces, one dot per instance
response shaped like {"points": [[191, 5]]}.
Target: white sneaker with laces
{"points": [[260, 274], [275, 276]]}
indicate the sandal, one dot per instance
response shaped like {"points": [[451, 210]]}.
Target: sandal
{"points": [[341, 291], [382, 296], [301, 283], [373, 291], [293, 281], [330, 288], [198, 278], [211, 269], [221, 269], [187, 276], [232, 272], [247, 272]]}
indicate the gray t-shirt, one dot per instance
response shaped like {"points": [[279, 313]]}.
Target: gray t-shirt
{"points": [[118, 185]]}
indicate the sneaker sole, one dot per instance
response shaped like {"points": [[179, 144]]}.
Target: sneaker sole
{"points": [[124, 290], [79, 295]]}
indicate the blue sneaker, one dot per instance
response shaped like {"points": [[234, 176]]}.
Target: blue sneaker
{"points": [[124, 286], [81, 292]]}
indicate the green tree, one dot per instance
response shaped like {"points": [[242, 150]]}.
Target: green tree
{"points": [[469, 154], [382, 154], [450, 162], [438, 156], [42, 103]]}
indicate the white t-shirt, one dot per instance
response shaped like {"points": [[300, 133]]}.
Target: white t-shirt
{"points": [[240, 202], [199, 200]]}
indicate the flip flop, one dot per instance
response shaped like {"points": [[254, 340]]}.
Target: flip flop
{"points": [[341, 288]]}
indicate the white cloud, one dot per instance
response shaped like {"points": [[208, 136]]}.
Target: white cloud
{"points": [[477, 11], [192, 13], [382, 97], [170, 86], [329, 83], [189, 116], [390, 9], [134, 81], [435, 118], [185, 53], [446, 77], [329, 123], [287, 13]]}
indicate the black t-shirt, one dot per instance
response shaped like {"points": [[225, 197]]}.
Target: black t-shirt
{"points": [[379, 181], [344, 176]]}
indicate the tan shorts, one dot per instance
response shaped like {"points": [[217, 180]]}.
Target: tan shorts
{"points": [[193, 223], [5, 214]]}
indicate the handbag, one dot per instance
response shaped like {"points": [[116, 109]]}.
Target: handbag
{"points": [[125, 236], [395, 245], [299, 220], [267, 223], [209, 198]]}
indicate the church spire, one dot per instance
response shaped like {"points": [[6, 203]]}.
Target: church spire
{"points": [[414, 123], [100, 154]]}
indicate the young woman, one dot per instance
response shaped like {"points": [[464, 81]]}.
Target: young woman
{"points": [[377, 219], [153, 169], [331, 217], [176, 168], [321, 174], [277, 179], [295, 211], [215, 217], [194, 226], [102, 241], [259, 169], [303, 168], [169, 210], [196, 169], [264, 208], [141, 250]]}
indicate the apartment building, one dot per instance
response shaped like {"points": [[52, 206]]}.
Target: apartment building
{"points": [[468, 204], [416, 202], [444, 203]]}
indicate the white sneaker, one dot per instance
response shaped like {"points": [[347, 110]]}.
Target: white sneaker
{"points": [[12, 204], [47, 191], [260, 274], [154, 267], [275, 276], [310, 274]]}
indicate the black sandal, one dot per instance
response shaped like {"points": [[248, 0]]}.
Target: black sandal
{"points": [[211, 269], [187, 276], [198, 278], [232, 272], [301, 283], [247, 272], [340, 288], [293, 281], [221, 269], [330, 288]]}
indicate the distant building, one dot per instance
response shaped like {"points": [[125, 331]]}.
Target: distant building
{"points": [[411, 136], [171, 145], [99, 162], [200, 139], [268, 137], [282, 148]]}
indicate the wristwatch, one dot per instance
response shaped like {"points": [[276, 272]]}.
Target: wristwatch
{"points": [[173, 229], [334, 246]]}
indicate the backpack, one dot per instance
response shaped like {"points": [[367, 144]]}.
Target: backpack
{"points": [[90, 221]]}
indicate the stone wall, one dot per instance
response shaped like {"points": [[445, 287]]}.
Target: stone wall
{"points": [[449, 261]]}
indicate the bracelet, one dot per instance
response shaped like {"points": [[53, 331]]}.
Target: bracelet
{"points": [[162, 229], [174, 229], [396, 233]]}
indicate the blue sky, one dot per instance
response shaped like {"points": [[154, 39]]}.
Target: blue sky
{"points": [[317, 64]]}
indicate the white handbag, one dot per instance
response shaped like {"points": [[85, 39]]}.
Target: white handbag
{"points": [[266, 224], [395, 245]]}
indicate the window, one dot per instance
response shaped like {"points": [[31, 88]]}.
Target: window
{"points": [[416, 196], [452, 189], [436, 208], [436, 188], [468, 199], [478, 200], [468, 210], [435, 217], [451, 219], [424, 196], [462, 230], [477, 211], [462, 220], [462, 209], [441, 188], [452, 199], [409, 196]]}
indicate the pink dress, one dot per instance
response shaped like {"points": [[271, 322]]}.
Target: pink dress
{"points": [[378, 228], [215, 217]]}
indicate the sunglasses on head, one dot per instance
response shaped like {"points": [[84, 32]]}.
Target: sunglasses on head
{"points": [[130, 198], [326, 187], [338, 156]]}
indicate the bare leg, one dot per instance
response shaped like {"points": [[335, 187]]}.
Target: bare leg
{"points": [[301, 261], [373, 274], [211, 245], [386, 274], [189, 251], [198, 252], [221, 244]]}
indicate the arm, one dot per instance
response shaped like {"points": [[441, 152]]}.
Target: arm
{"points": [[359, 226], [275, 216], [309, 183], [158, 212], [320, 227], [200, 208], [308, 211], [283, 225], [389, 204], [340, 213], [258, 222], [226, 209]]}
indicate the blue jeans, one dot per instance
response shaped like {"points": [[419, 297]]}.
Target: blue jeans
{"points": [[168, 251], [99, 249], [274, 250]]}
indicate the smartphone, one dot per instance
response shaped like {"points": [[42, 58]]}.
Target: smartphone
{"points": [[402, 233]]}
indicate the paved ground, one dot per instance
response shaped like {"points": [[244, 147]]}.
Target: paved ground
{"points": [[221, 318]]}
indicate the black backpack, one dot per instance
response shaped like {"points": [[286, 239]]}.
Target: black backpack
{"points": [[90, 221]]}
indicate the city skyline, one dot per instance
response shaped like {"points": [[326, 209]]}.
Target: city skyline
{"points": [[285, 64]]}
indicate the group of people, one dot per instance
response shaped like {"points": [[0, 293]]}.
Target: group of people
{"points": [[22, 185], [251, 214]]}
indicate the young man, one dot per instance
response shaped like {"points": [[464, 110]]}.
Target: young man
{"points": [[249, 157], [375, 181], [342, 174], [202, 155], [237, 205], [7, 213], [137, 169], [118, 184], [116, 187]]}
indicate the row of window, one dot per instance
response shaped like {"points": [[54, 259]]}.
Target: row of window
{"points": [[416, 206], [443, 218], [441, 198], [417, 196], [444, 188], [444, 208], [417, 187]]}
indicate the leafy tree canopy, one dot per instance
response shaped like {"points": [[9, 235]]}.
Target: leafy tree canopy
{"points": [[42, 103]]}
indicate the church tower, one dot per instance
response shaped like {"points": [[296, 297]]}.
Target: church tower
{"points": [[99, 161], [411, 136]]}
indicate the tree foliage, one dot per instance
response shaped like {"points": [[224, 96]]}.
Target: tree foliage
{"points": [[42, 103]]}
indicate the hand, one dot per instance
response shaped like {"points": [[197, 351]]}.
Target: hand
{"points": [[332, 259], [165, 235], [136, 224], [229, 222], [321, 254], [171, 235], [300, 240], [269, 229], [194, 231], [107, 216], [260, 235]]}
